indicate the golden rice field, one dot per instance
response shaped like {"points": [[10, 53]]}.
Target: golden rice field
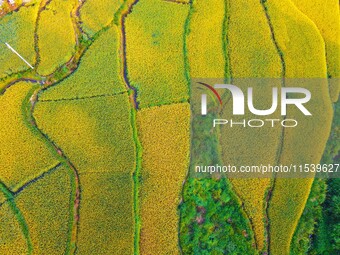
{"points": [[55, 29], [97, 139], [164, 163], [12, 239], [97, 14], [20, 24], [204, 48], [154, 52], [38, 209], [305, 57], [24, 154], [328, 25], [100, 60]]}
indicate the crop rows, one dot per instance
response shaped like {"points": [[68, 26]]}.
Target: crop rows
{"points": [[111, 117]]}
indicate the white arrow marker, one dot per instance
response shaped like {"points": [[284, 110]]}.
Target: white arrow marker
{"points": [[16, 53]]}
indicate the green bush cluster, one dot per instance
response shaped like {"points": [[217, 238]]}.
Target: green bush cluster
{"points": [[301, 242], [327, 238], [212, 221]]}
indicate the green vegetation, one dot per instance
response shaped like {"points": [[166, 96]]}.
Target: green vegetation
{"points": [[326, 237], [301, 241], [211, 220], [331, 220]]}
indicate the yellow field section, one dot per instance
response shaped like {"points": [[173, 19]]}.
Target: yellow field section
{"points": [[106, 224], [302, 145], [261, 147], [47, 209], [325, 15], [2, 198], [154, 48], [204, 40], [12, 241], [56, 38], [251, 50], [304, 56], [99, 72], [96, 14], [252, 53], [252, 193], [17, 29], [95, 134], [23, 155], [164, 135]]}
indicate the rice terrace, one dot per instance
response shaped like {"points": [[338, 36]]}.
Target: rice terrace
{"points": [[98, 131]]}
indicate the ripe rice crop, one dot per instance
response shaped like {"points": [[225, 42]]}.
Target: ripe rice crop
{"points": [[105, 161], [56, 39], [48, 228], [325, 15], [23, 155], [252, 53], [98, 72], [84, 132], [164, 136], [154, 52], [251, 50], [304, 56], [17, 29], [106, 213], [205, 45], [97, 14], [12, 241]]}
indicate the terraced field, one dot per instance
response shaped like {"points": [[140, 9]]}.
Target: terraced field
{"points": [[55, 28], [162, 174], [96, 139], [19, 24]]}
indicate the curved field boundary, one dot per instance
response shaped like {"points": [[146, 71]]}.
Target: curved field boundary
{"points": [[20, 218]]}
